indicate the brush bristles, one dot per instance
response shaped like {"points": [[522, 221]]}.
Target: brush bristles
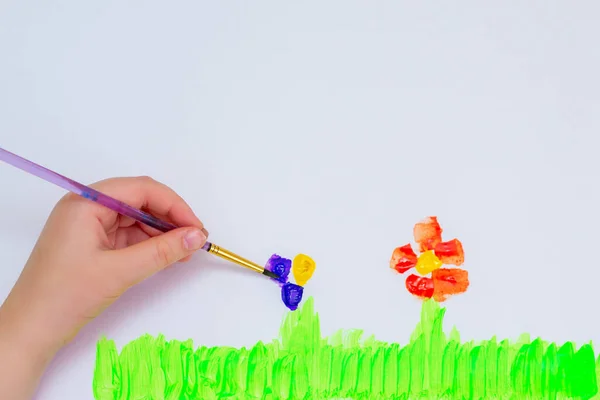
{"points": [[270, 274]]}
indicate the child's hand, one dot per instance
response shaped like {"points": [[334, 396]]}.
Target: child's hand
{"points": [[86, 257]]}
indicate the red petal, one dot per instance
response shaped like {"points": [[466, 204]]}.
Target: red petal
{"points": [[420, 285], [403, 259], [427, 233], [450, 252], [449, 281]]}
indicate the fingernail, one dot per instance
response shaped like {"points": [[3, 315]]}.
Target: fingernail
{"points": [[195, 239], [205, 232]]}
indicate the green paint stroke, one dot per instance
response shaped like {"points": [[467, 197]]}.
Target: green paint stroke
{"points": [[302, 364]]}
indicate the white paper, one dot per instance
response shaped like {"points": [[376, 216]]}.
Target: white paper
{"points": [[320, 128]]}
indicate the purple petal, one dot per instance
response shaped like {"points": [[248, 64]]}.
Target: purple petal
{"points": [[280, 266], [291, 294]]}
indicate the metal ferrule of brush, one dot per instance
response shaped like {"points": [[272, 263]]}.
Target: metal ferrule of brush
{"points": [[228, 255]]}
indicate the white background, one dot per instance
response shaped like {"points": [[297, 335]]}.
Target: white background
{"points": [[327, 128]]}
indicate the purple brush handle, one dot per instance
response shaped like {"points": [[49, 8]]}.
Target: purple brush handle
{"points": [[87, 192]]}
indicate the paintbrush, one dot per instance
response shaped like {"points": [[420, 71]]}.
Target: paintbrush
{"points": [[121, 208]]}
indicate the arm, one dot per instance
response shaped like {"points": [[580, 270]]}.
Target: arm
{"points": [[86, 257]]}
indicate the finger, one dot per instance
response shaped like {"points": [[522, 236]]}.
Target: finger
{"points": [[150, 230], [129, 236], [154, 232], [147, 194], [125, 222], [138, 262], [120, 223]]}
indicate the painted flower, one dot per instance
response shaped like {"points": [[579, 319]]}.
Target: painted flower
{"points": [[433, 279], [302, 268]]}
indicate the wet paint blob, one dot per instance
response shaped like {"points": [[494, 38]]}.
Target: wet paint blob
{"points": [[291, 294], [427, 233], [280, 266], [450, 252], [448, 282], [403, 259], [420, 286], [303, 268], [427, 263]]}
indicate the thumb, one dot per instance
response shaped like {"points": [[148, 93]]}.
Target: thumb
{"points": [[144, 259]]}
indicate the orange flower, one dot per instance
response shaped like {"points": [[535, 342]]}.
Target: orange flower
{"points": [[443, 282]]}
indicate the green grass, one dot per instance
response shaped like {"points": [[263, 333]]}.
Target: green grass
{"points": [[302, 364]]}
